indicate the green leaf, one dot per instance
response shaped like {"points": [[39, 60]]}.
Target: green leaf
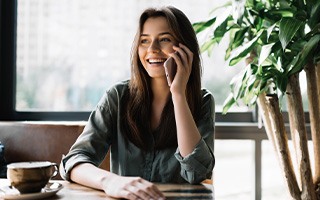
{"points": [[315, 30], [228, 103], [201, 26], [284, 12], [236, 39], [239, 37], [302, 58], [269, 61], [270, 30], [221, 19], [221, 30], [228, 53], [242, 51], [282, 82], [261, 88], [313, 9], [236, 84], [287, 29], [250, 3], [258, 23], [265, 52], [299, 4], [248, 98], [297, 46]]}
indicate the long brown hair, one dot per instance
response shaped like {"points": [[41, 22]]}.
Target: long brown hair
{"points": [[136, 118]]}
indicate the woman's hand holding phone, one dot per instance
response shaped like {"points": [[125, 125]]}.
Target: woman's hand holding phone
{"points": [[182, 58]]}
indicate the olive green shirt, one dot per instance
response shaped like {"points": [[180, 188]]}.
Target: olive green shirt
{"points": [[103, 132]]}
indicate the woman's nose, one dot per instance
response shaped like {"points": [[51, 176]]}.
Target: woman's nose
{"points": [[154, 47]]}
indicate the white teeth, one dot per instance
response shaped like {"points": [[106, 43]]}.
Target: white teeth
{"points": [[156, 60]]}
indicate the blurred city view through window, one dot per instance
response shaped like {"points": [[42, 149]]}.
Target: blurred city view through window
{"points": [[69, 52]]}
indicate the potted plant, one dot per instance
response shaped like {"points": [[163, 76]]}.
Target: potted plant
{"points": [[277, 39]]}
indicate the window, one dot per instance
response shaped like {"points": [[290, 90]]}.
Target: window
{"points": [[67, 56]]}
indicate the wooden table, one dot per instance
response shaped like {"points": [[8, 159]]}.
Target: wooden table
{"points": [[73, 191]]}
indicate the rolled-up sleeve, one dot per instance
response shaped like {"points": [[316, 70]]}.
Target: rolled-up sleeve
{"points": [[93, 143], [198, 165]]}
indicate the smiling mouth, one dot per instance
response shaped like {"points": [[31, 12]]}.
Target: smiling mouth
{"points": [[156, 61]]}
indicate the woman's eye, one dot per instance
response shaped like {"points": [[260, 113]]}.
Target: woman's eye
{"points": [[143, 41], [165, 40]]}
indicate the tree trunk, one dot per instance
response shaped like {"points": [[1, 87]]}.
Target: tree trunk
{"points": [[263, 109], [274, 125], [299, 137], [318, 86], [314, 111], [318, 80]]}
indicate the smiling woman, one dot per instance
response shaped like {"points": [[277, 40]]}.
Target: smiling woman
{"points": [[155, 132]]}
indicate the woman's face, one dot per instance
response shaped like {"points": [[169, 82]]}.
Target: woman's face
{"points": [[156, 42]]}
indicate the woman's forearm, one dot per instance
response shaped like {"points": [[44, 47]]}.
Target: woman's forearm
{"points": [[90, 175], [187, 131]]}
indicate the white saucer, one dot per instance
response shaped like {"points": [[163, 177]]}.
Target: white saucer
{"points": [[9, 192]]}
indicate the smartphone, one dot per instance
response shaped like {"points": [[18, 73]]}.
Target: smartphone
{"points": [[170, 68]]}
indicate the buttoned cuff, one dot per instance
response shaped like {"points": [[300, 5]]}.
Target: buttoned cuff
{"points": [[198, 165]]}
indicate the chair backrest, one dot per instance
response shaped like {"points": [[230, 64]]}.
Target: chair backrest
{"points": [[27, 141]]}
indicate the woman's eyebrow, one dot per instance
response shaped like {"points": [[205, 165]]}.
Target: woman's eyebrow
{"points": [[163, 33]]}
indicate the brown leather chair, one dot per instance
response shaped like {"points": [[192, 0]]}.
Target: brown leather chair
{"points": [[28, 141]]}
